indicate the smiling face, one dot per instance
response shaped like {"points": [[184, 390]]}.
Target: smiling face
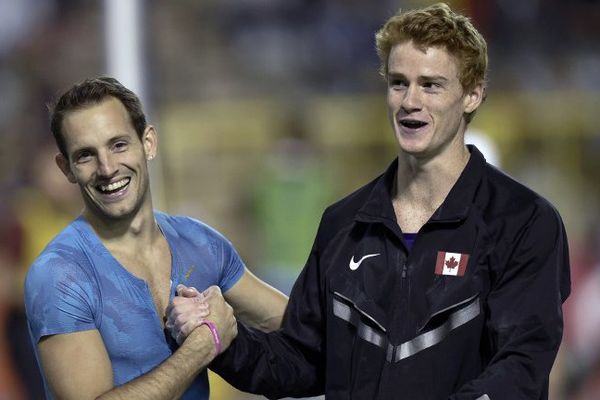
{"points": [[107, 159], [426, 102]]}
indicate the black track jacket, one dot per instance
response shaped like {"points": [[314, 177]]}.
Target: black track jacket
{"points": [[474, 309]]}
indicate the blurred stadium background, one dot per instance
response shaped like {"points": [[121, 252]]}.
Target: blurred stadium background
{"points": [[268, 110]]}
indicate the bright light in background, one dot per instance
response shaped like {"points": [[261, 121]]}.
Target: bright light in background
{"points": [[484, 144], [125, 44]]}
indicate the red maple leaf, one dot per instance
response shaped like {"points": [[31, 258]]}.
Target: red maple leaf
{"points": [[451, 263]]}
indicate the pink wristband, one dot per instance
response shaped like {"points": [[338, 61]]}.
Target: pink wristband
{"points": [[215, 334]]}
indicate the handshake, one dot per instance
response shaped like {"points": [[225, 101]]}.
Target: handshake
{"points": [[191, 309]]}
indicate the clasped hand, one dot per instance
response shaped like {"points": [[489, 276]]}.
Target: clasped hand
{"points": [[190, 308]]}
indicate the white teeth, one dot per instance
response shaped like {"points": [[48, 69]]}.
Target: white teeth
{"points": [[114, 186]]}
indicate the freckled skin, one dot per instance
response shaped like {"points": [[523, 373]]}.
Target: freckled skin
{"points": [[424, 86]]}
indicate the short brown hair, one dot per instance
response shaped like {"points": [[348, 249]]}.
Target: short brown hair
{"points": [[437, 25], [89, 92]]}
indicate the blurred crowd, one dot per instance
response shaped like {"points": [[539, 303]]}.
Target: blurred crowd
{"points": [[261, 105]]}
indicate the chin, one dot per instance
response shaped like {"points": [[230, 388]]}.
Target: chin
{"points": [[416, 143], [114, 214], [413, 148]]}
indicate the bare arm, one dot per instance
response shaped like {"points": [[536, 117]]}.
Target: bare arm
{"points": [[77, 365], [256, 303]]}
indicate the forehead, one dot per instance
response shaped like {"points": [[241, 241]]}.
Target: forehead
{"points": [[97, 122], [408, 59]]}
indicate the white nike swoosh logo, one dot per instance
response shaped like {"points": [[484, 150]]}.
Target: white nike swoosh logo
{"points": [[355, 264]]}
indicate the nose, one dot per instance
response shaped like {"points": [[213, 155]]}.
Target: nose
{"points": [[107, 166], [411, 101]]}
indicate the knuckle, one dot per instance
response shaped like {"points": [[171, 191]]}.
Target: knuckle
{"points": [[180, 320], [178, 300], [184, 331]]}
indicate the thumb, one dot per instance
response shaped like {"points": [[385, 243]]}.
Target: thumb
{"points": [[185, 291], [212, 290]]}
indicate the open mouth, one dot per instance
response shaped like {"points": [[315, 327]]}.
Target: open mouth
{"points": [[113, 187], [412, 123]]}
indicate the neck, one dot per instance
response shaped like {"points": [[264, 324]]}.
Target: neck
{"points": [[127, 232], [429, 180]]}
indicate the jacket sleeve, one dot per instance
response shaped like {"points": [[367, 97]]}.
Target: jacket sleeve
{"points": [[288, 362], [524, 312]]}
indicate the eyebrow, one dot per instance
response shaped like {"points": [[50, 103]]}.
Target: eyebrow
{"points": [[119, 137], [109, 142], [76, 152], [436, 78]]}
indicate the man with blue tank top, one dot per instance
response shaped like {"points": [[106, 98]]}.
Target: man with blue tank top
{"points": [[97, 296]]}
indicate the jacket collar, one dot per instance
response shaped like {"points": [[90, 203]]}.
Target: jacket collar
{"points": [[462, 195], [378, 207]]}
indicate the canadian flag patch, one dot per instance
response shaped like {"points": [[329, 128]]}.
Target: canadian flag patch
{"points": [[453, 264]]}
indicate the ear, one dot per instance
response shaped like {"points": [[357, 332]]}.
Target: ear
{"points": [[64, 166], [474, 98], [150, 142]]}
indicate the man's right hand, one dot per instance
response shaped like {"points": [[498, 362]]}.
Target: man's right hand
{"points": [[190, 308]]}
